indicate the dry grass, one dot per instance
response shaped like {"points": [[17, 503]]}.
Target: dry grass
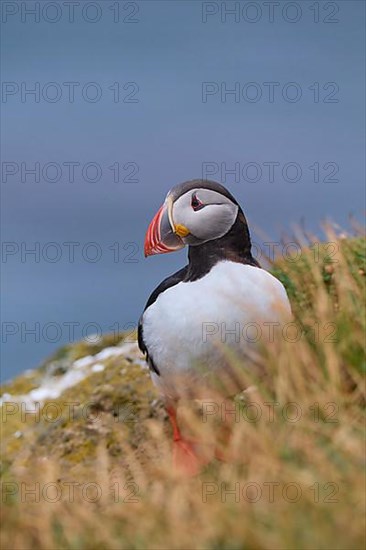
{"points": [[290, 483]]}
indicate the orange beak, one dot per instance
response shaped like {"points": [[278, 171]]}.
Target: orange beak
{"points": [[160, 236]]}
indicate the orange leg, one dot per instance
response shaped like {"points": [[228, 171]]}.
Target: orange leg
{"points": [[172, 412], [187, 459]]}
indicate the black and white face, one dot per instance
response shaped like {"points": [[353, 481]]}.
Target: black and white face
{"points": [[191, 215], [204, 214]]}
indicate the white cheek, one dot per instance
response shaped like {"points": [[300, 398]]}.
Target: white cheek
{"points": [[211, 222]]}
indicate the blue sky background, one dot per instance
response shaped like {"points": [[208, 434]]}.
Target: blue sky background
{"points": [[168, 133]]}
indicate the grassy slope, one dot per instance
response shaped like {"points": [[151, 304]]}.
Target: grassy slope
{"points": [[116, 439]]}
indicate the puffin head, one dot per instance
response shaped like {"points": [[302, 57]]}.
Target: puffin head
{"points": [[194, 212]]}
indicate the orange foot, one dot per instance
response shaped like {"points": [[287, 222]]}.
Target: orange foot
{"points": [[190, 457]]}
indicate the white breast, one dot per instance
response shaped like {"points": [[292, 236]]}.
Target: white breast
{"points": [[228, 306]]}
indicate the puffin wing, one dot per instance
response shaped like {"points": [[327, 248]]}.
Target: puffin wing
{"points": [[170, 281]]}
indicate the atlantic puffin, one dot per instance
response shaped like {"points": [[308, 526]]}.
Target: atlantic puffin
{"points": [[206, 306]]}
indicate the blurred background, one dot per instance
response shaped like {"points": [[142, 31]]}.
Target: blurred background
{"points": [[106, 105]]}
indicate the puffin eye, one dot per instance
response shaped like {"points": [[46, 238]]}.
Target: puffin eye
{"points": [[196, 203]]}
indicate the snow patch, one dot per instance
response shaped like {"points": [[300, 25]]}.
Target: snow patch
{"points": [[98, 367], [53, 387], [107, 353], [83, 362]]}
